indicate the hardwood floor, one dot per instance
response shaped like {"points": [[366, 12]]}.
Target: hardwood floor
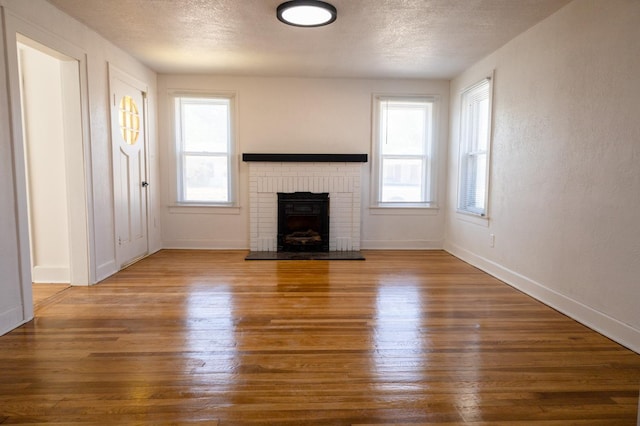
{"points": [[46, 293], [205, 337]]}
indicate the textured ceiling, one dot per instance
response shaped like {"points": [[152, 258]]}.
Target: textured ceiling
{"points": [[370, 38]]}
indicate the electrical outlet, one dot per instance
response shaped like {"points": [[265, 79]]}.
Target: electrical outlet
{"points": [[492, 240]]}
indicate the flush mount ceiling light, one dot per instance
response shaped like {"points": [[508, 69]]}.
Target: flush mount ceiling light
{"points": [[307, 13]]}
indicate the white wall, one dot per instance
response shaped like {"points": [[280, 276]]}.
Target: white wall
{"points": [[565, 173], [45, 152], [40, 21], [297, 115], [12, 310]]}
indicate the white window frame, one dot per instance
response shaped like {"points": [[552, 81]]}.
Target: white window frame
{"points": [[179, 153], [429, 158], [470, 96]]}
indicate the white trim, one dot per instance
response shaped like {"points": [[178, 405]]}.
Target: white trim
{"points": [[402, 245], [431, 155], [463, 142], [203, 209], [475, 85], [206, 244], [175, 180], [404, 211], [610, 327], [116, 72], [109, 268], [105, 270], [193, 93], [53, 274], [12, 318], [79, 180], [476, 219]]}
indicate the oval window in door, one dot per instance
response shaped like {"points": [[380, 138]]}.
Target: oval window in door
{"points": [[129, 120]]}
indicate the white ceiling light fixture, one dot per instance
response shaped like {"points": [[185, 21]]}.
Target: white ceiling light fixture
{"points": [[306, 13]]}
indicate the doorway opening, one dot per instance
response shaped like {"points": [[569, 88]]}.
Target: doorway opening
{"points": [[53, 147]]}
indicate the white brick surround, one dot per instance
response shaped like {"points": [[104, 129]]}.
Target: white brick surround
{"points": [[340, 180]]}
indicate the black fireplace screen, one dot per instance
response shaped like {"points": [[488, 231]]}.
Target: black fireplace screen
{"points": [[303, 222]]}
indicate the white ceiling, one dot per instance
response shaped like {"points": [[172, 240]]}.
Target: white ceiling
{"points": [[370, 38]]}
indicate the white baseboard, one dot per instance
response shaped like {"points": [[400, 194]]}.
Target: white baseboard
{"points": [[401, 245], [206, 244], [106, 270], [10, 319], [243, 245], [154, 251], [596, 320], [51, 274]]}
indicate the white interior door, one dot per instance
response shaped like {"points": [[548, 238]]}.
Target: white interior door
{"points": [[129, 168]]}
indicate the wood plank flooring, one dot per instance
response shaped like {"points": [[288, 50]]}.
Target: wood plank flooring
{"points": [[46, 293], [204, 337]]}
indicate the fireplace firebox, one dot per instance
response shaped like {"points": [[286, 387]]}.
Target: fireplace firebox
{"points": [[303, 222]]}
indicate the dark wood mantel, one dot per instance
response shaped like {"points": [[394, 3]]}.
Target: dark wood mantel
{"points": [[307, 158]]}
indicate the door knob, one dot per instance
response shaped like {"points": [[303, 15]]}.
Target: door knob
{"points": [[145, 184]]}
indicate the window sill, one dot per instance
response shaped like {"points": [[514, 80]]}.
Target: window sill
{"points": [[472, 218], [404, 211], [203, 209]]}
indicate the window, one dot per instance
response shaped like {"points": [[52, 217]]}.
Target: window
{"points": [[475, 132], [129, 120], [404, 151], [204, 147]]}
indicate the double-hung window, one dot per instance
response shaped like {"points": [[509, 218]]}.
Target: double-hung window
{"points": [[475, 134], [404, 151], [204, 148]]}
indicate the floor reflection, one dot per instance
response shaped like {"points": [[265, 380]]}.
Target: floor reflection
{"points": [[397, 333], [210, 338]]}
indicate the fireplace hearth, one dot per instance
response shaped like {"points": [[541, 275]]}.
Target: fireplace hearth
{"points": [[303, 222]]}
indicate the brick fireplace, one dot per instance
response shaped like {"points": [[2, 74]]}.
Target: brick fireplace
{"points": [[339, 175]]}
